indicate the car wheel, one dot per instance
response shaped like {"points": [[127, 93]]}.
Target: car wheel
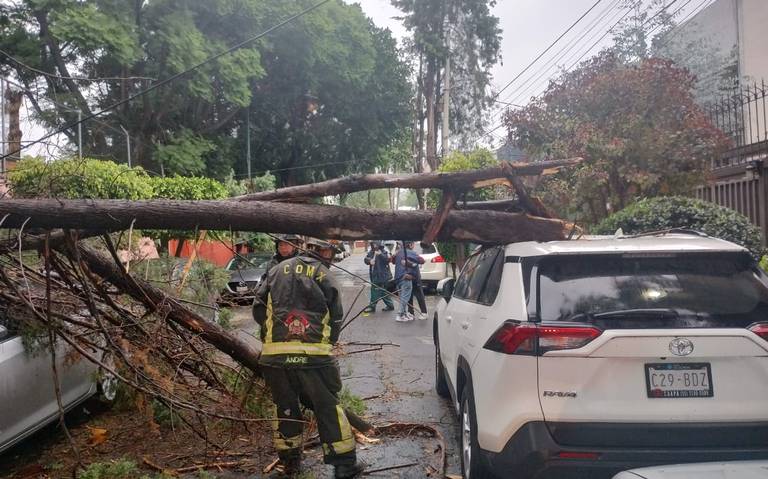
{"points": [[107, 382], [471, 465], [441, 383]]}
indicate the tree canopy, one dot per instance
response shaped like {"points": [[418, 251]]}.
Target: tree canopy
{"points": [[328, 91], [636, 124]]}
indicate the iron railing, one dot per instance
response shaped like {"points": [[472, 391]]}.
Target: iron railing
{"points": [[743, 117]]}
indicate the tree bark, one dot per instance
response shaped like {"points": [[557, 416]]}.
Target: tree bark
{"points": [[328, 222], [461, 180], [447, 201]]}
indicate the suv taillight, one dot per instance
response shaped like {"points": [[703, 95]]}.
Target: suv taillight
{"points": [[438, 259], [536, 339], [761, 329]]}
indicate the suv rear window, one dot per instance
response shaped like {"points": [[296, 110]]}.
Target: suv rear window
{"points": [[653, 291]]}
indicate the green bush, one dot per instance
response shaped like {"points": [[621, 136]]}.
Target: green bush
{"points": [[187, 188], [655, 214], [87, 178]]}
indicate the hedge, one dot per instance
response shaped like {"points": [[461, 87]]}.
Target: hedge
{"points": [[655, 214]]}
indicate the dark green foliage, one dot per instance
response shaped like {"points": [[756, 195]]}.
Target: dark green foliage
{"points": [[655, 214], [326, 93]]}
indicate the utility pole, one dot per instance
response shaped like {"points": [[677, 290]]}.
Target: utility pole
{"points": [[446, 105], [248, 140], [3, 136], [80, 134], [128, 143]]}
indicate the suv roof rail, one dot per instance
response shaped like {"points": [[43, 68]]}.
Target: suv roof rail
{"points": [[686, 231]]}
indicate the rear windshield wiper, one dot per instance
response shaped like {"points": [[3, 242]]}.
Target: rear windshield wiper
{"points": [[663, 313]]}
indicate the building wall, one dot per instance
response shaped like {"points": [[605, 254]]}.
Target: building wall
{"points": [[707, 45], [753, 49]]}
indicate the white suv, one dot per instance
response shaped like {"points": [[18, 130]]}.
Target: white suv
{"points": [[584, 358]]}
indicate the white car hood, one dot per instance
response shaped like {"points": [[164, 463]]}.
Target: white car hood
{"points": [[708, 470]]}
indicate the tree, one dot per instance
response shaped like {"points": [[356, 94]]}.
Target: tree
{"points": [[324, 93], [636, 124], [656, 214], [468, 34]]}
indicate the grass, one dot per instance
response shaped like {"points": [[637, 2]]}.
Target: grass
{"points": [[352, 402]]}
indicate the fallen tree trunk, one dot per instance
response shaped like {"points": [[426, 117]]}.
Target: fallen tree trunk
{"points": [[460, 180], [328, 222]]}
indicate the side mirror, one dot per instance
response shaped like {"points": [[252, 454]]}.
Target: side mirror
{"points": [[445, 288], [4, 333]]}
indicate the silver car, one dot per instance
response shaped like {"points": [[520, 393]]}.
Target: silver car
{"points": [[27, 392]]}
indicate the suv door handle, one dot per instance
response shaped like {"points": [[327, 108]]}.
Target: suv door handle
{"points": [[465, 325]]}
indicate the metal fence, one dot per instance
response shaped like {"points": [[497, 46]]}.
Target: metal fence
{"points": [[738, 179], [743, 117]]}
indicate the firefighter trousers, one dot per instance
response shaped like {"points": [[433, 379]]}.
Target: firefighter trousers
{"points": [[317, 388]]}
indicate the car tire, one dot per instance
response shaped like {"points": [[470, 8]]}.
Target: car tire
{"points": [[107, 383], [441, 383], [471, 462]]}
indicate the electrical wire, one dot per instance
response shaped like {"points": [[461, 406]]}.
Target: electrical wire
{"points": [[546, 49], [177, 76], [60, 77], [695, 11]]}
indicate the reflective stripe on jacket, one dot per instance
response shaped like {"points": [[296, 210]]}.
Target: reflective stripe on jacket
{"points": [[299, 310]]}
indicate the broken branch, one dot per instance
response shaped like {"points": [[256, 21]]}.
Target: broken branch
{"points": [[460, 179]]}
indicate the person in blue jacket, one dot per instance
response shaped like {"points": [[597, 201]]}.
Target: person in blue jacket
{"points": [[406, 270]]}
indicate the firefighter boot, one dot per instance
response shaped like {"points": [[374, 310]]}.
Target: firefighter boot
{"points": [[349, 471]]}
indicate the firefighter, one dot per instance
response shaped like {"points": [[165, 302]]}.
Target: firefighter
{"points": [[286, 246], [300, 313]]}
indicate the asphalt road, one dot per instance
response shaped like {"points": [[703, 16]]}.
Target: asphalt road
{"points": [[399, 379], [396, 381]]}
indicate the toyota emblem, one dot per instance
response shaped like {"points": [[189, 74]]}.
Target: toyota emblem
{"points": [[681, 346]]}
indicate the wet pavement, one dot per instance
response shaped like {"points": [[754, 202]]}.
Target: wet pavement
{"points": [[396, 381]]}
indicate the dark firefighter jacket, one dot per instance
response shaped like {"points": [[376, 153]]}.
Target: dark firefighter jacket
{"points": [[298, 307]]}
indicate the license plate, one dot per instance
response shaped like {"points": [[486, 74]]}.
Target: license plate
{"points": [[679, 380], [242, 289]]}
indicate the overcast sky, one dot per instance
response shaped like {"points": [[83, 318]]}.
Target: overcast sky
{"points": [[529, 27]]}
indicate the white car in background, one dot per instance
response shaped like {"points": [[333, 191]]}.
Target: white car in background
{"points": [[705, 470], [589, 357], [435, 268]]}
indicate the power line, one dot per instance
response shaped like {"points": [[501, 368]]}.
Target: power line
{"points": [[643, 25], [546, 50], [565, 50], [559, 55], [175, 77], [695, 11], [629, 10], [59, 77]]}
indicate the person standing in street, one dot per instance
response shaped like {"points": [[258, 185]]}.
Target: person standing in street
{"points": [[406, 265], [418, 293], [300, 312], [377, 260]]}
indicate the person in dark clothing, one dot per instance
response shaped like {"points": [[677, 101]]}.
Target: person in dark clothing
{"points": [[406, 269], [300, 314], [286, 246], [377, 260]]}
